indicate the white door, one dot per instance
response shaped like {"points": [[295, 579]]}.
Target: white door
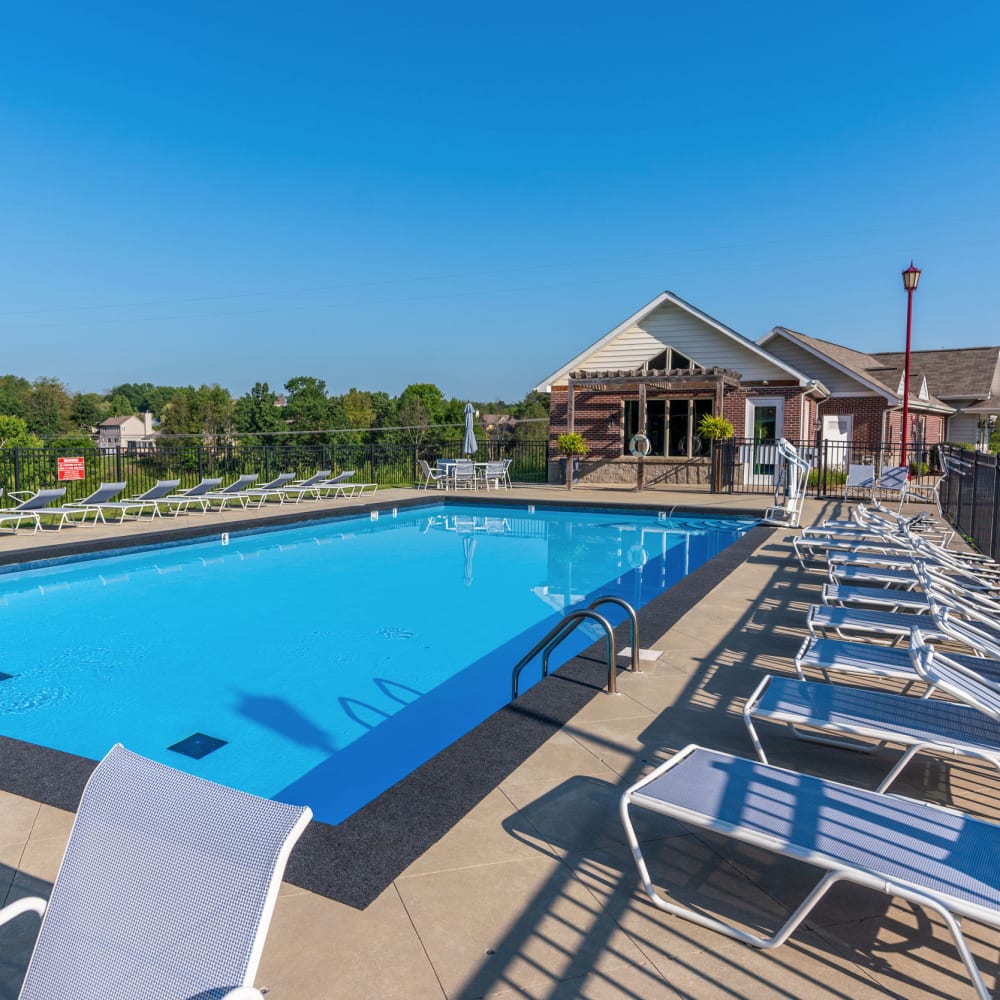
{"points": [[838, 431], [765, 424]]}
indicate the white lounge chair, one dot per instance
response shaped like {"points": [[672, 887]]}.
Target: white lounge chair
{"points": [[69, 512], [165, 891], [859, 477], [177, 502], [144, 501], [236, 490], [839, 715], [867, 659], [28, 507], [275, 488], [949, 865]]}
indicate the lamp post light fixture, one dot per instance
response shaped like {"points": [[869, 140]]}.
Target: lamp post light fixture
{"points": [[911, 276]]}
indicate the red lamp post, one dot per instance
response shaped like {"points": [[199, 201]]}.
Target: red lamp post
{"points": [[911, 276]]}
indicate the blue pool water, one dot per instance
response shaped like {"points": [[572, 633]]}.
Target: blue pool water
{"points": [[327, 660]]}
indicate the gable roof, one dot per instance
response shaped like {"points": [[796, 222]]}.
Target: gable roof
{"points": [[116, 421], [669, 297], [954, 373], [873, 373]]}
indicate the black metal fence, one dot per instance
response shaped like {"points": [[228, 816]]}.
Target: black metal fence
{"points": [[750, 466], [387, 463], [970, 497]]}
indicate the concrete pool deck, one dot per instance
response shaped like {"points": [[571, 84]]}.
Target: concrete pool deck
{"points": [[533, 893]]}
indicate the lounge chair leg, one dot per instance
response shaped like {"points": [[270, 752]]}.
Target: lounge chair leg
{"points": [[712, 923]]}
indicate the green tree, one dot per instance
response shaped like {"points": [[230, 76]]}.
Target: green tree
{"points": [[307, 403], [14, 433], [14, 393], [423, 398], [207, 410], [87, 410], [47, 408], [121, 406], [359, 410], [256, 413]]}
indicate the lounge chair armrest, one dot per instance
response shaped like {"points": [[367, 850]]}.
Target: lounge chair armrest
{"points": [[244, 993], [30, 904]]}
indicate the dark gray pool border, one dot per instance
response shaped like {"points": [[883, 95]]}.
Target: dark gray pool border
{"points": [[354, 861]]}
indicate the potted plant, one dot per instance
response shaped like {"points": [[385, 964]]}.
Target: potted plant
{"points": [[714, 429], [572, 446]]}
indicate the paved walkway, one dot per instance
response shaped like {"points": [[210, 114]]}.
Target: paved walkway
{"points": [[533, 894]]}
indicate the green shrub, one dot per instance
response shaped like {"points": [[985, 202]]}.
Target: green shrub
{"points": [[714, 428], [571, 444]]}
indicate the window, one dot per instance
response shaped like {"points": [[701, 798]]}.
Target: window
{"points": [[671, 426], [667, 359]]}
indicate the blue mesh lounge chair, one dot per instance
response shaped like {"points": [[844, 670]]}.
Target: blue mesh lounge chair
{"points": [[236, 490], [938, 859], [302, 488], [166, 889], [274, 489], [846, 716], [177, 502], [71, 512], [28, 507], [148, 501], [341, 486]]}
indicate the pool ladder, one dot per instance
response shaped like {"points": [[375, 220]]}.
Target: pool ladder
{"points": [[553, 638]]}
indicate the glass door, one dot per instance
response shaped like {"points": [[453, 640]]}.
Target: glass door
{"points": [[764, 419]]}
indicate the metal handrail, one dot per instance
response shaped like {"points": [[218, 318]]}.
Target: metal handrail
{"points": [[556, 635], [633, 623]]}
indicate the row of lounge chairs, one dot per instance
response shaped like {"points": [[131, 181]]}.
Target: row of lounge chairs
{"points": [[165, 498], [934, 621]]}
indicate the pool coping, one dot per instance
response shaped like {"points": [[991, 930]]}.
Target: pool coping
{"points": [[355, 860]]}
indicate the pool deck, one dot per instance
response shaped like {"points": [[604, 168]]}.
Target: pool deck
{"points": [[534, 894]]}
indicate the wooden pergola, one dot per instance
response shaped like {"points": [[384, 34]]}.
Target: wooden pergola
{"points": [[690, 380]]}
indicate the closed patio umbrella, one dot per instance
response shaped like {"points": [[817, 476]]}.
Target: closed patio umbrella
{"points": [[469, 445]]}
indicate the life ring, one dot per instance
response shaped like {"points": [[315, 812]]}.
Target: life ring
{"points": [[637, 557], [639, 445]]}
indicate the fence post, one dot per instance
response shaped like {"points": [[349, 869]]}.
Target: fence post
{"points": [[201, 463], [996, 507], [17, 468]]}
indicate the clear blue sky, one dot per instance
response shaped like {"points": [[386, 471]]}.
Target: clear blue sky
{"points": [[469, 195]]}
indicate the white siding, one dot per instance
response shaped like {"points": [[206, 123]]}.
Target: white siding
{"points": [[833, 378], [963, 427], [670, 326]]}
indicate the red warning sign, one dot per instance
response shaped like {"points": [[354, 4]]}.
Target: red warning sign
{"points": [[70, 468]]}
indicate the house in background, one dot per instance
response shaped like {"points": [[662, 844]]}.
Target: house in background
{"points": [[126, 433], [966, 378], [664, 368], [866, 393], [669, 364]]}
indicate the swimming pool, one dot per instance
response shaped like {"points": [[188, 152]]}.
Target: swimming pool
{"points": [[318, 664]]}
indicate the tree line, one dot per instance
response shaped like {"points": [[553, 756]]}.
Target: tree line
{"points": [[46, 411]]}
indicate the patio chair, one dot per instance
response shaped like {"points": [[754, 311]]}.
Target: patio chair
{"points": [[437, 476], [894, 625], [492, 475], [865, 720], [144, 501], [166, 889], [949, 864], [463, 474], [869, 660], [195, 495], [275, 488], [301, 488], [859, 477], [41, 503], [236, 490], [28, 507], [339, 486]]}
